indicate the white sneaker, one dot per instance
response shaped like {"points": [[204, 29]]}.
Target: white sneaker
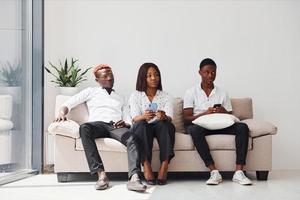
{"points": [[215, 178], [241, 178]]}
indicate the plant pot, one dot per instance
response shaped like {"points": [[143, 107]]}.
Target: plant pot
{"points": [[15, 92], [69, 91]]}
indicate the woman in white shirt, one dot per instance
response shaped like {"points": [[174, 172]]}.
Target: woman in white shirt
{"points": [[151, 111]]}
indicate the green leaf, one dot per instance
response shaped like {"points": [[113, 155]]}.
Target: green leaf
{"points": [[67, 74]]}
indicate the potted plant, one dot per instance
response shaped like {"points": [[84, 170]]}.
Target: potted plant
{"points": [[67, 76], [11, 79]]}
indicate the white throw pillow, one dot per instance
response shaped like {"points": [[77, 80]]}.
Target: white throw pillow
{"points": [[216, 121], [67, 128]]}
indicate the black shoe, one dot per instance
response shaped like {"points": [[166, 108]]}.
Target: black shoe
{"points": [[161, 181], [151, 182]]}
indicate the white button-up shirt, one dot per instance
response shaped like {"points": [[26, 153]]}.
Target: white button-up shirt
{"points": [[197, 99], [101, 105], [139, 103]]}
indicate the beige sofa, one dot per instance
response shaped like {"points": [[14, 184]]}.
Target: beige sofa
{"points": [[70, 158]]}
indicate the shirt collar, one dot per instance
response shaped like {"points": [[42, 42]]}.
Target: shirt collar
{"points": [[156, 94], [104, 90], [214, 90]]}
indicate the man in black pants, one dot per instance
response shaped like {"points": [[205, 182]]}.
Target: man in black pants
{"points": [[106, 119], [199, 101]]}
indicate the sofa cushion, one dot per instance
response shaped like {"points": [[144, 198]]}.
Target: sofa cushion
{"points": [[178, 115], [103, 144], [242, 108], [223, 142], [5, 125], [215, 121], [183, 142], [260, 128], [67, 128]]}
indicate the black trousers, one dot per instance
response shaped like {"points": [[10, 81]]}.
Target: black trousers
{"points": [[240, 130], [164, 131], [92, 130]]}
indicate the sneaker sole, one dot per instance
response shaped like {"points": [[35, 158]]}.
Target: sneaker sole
{"points": [[137, 190], [237, 181], [218, 182], [103, 187]]}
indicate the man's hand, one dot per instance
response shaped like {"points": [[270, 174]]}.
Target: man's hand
{"points": [[161, 115], [62, 114], [120, 124], [221, 110], [148, 115], [60, 117], [211, 110]]}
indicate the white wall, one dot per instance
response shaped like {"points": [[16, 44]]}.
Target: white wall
{"points": [[256, 45], [10, 32]]}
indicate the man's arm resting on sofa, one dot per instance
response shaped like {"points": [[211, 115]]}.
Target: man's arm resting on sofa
{"points": [[67, 128]]}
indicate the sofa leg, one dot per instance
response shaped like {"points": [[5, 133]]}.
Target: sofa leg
{"points": [[262, 175], [62, 177]]}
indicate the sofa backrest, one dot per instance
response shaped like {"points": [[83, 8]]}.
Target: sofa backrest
{"points": [[242, 109]]}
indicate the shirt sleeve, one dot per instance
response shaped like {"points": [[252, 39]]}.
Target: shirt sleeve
{"points": [[188, 101], [126, 113], [169, 106], [77, 99], [134, 105], [227, 103]]}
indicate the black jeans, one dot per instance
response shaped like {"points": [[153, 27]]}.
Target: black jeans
{"points": [[164, 131], [92, 130], [240, 130]]}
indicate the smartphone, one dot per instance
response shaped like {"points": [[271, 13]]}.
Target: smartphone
{"points": [[217, 105], [153, 107]]}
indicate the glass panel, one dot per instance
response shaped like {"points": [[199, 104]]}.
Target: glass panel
{"points": [[15, 86]]}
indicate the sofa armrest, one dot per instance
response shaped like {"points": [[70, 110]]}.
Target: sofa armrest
{"points": [[6, 125], [259, 128], [67, 128]]}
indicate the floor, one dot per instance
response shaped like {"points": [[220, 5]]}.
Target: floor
{"points": [[284, 185]]}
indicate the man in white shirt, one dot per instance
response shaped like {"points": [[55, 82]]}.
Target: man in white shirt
{"points": [[204, 99], [107, 118]]}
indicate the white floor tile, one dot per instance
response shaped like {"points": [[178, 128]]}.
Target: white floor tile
{"points": [[281, 185]]}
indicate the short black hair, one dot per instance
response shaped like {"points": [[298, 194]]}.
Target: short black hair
{"points": [[141, 82], [207, 61]]}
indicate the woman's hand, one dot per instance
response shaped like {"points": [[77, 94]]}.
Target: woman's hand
{"points": [[120, 124], [161, 115], [148, 115]]}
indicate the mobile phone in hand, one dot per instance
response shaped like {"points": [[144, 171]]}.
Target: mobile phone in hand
{"points": [[153, 107], [217, 105]]}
